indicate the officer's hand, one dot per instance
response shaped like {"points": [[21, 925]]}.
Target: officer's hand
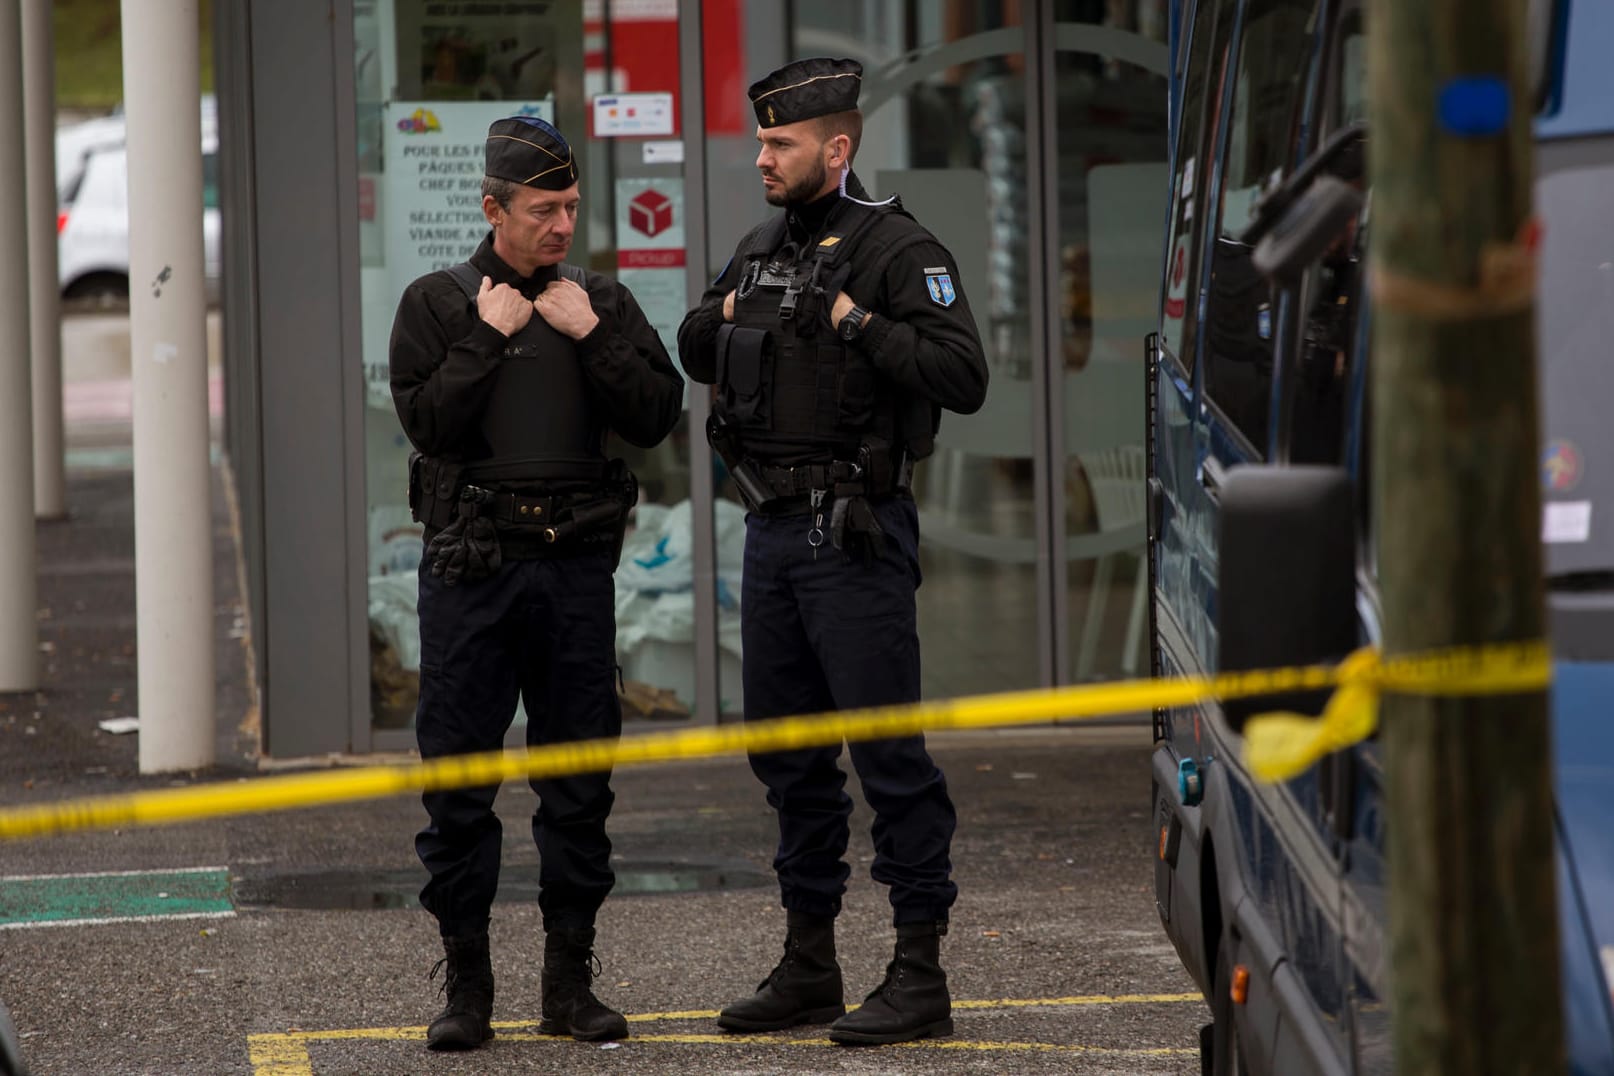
{"points": [[843, 306], [728, 307], [566, 307], [502, 307]]}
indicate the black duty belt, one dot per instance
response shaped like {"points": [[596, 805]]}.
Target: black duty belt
{"points": [[794, 483], [516, 508]]}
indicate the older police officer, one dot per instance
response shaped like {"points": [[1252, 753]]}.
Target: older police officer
{"points": [[506, 372], [835, 335]]}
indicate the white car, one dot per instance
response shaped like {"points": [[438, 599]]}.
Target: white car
{"points": [[92, 219]]}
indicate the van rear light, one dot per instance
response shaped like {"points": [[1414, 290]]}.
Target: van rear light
{"points": [[61, 221]]}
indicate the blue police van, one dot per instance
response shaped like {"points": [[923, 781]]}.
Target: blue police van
{"points": [[1261, 358]]}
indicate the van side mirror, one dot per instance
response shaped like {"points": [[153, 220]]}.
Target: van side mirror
{"points": [[1285, 577], [1307, 228]]}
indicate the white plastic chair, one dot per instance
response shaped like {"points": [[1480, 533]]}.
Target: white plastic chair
{"points": [[1104, 426]]}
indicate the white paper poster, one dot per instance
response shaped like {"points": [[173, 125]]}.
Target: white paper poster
{"points": [[433, 203], [650, 251]]}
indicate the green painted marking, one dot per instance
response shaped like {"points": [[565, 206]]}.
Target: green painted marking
{"points": [[65, 898]]}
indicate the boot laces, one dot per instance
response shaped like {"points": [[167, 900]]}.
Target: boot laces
{"points": [[779, 969], [892, 980], [451, 977], [582, 972]]}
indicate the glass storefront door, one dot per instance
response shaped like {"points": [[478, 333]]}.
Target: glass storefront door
{"points": [[1029, 136], [431, 75]]}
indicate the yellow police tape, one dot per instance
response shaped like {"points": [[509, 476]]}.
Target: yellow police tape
{"points": [[1277, 746]]}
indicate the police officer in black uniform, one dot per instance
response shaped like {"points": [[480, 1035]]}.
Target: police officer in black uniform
{"points": [[835, 335], [507, 372]]}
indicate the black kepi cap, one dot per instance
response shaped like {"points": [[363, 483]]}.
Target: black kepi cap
{"points": [[805, 89], [529, 151]]}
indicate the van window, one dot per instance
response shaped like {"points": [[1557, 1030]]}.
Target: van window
{"points": [[1331, 299], [1267, 101], [1212, 27]]}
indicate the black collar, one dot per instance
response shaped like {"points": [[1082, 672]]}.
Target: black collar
{"points": [[806, 222], [495, 269]]}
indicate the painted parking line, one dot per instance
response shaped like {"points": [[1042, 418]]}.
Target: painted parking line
{"points": [[287, 1054], [48, 900]]}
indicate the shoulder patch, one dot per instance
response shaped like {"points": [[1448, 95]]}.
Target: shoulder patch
{"points": [[939, 282], [937, 269]]}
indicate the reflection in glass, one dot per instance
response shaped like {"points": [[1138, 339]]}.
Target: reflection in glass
{"points": [[1111, 161], [950, 138], [481, 62]]}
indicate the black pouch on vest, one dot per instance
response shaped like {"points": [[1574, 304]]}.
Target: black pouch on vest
{"points": [[744, 368], [433, 490]]}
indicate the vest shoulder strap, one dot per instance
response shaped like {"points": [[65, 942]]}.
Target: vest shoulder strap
{"points": [[855, 219], [763, 239], [468, 278]]}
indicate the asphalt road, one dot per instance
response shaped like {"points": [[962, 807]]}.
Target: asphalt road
{"points": [[319, 963], [313, 954]]}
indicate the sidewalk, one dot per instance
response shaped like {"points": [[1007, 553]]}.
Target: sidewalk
{"points": [[51, 743]]}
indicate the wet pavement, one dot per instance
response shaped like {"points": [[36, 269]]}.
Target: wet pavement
{"points": [[291, 944]]}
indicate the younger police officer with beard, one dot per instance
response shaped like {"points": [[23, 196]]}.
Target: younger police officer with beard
{"points": [[835, 335], [507, 372]]}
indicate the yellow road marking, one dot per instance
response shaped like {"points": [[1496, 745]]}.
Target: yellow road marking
{"points": [[286, 1053], [1089, 999]]}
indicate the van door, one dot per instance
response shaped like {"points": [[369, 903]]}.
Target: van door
{"points": [[1185, 636], [1285, 851]]}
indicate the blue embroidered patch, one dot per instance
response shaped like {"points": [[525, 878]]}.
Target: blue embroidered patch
{"points": [[941, 288]]}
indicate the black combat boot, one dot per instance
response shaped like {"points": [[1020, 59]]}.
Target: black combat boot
{"points": [[805, 987], [465, 1023], [912, 1003], [570, 1007]]}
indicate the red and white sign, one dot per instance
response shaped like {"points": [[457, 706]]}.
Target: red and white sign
{"points": [[650, 250]]}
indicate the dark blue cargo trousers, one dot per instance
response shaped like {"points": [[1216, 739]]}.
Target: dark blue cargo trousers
{"points": [[543, 631], [828, 633]]}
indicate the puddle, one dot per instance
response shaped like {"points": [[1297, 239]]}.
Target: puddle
{"points": [[343, 890]]}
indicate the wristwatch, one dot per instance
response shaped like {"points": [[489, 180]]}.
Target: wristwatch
{"points": [[851, 326]]}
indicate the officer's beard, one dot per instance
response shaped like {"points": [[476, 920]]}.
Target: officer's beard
{"points": [[802, 191]]}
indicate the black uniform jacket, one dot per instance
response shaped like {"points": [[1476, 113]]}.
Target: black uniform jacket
{"points": [[915, 343], [443, 357]]}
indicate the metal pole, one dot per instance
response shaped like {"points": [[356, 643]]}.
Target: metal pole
{"points": [[168, 349], [708, 677], [45, 323], [19, 628]]}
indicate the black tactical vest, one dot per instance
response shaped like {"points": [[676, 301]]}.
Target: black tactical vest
{"points": [[794, 390], [538, 420]]}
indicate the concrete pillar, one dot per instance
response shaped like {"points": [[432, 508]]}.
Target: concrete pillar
{"points": [[168, 353], [45, 321], [19, 628]]}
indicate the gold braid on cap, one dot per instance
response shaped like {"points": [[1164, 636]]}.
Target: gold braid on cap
{"points": [[805, 81]]}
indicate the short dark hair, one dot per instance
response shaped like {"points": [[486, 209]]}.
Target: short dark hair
{"points": [[848, 123], [500, 190]]}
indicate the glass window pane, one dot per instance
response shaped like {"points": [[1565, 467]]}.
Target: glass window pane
{"points": [[430, 78], [1267, 103], [946, 131], [1110, 126], [1206, 43]]}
